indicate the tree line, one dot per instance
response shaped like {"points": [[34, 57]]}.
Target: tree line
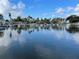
{"points": [[30, 19]]}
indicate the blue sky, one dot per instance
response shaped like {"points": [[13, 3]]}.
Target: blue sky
{"points": [[40, 8]]}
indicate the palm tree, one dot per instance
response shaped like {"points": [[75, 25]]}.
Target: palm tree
{"points": [[10, 16], [1, 16]]}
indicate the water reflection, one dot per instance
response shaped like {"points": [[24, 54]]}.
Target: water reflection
{"points": [[73, 29], [10, 34], [1, 33], [40, 42], [30, 29], [58, 27]]}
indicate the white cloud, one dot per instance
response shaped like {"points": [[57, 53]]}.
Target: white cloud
{"points": [[60, 11], [76, 37], [53, 15], [21, 5], [77, 4], [77, 8], [4, 5], [70, 8], [16, 9], [66, 11]]}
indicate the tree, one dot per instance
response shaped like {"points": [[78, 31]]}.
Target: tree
{"points": [[7, 20], [73, 19], [57, 20], [73, 29], [10, 16], [47, 21], [30, 19], [37, 21], [19, 18], [1, 17]]}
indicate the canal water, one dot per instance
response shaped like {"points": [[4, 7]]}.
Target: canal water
{"points": [[40, 42]]}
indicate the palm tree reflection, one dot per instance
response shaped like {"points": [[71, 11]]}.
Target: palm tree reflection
{"points": [[10, 34], [1, 33]]}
